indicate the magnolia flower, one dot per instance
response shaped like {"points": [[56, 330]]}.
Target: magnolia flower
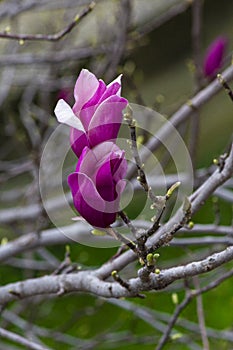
{"points": [[97, 183], [214, 56], [97, 113]]}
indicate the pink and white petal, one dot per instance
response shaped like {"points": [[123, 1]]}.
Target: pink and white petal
{"points": [[109, 111], [83, 190], [103, 151], [110, 91], [120, 186], [106, 121], [119, 169], [65, 115], [117, 80], [85, 87], [88, 163], [97, 95], [78, 141], [80, 160]]}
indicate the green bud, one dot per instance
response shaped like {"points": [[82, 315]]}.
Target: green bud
{"points": [[157, 271], [150, 260], [153, 219], [67, 248], [190, 224], [156, 256], [175, 299], [141, 261], [128, 113], [172, 189], [4, 241], [176, 336], [220, 79], [96, 232], [140, 139], [7, 29], [114, 273], [215, 199]]}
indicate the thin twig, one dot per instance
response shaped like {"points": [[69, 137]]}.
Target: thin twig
{"points": [[50, 37], [141, 173], [127, 221], [115, 234], [226, 86]]}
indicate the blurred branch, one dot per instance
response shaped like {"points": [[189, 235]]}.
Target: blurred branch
{"points": [[21, 340], [61, 56], [144, 314], [51, 37], [200, 313], [181, 115], [30, 212], [14, 319], [76, 232], [158, 21], [12, 8], [197, 9], [190, 295], [152, 316], [119, 42]]}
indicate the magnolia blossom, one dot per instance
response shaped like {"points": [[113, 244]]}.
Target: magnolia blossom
{"points": [[97, 113], [97, 183], [214, 57]]}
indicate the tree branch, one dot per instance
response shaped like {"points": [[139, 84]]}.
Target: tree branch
{"points": [[21, 340], [87, 281], [51, 37]]}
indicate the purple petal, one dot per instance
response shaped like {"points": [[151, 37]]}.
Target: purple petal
{"points": [[97, 96], [214, 56], [85, 87], [86, 199], [78, 140], [81, 159], [109, 111], [119, 168], [87, 163], [106, 121], [117, 80], [110, 91], [105, 183], [103, 151], [90, 106]]}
